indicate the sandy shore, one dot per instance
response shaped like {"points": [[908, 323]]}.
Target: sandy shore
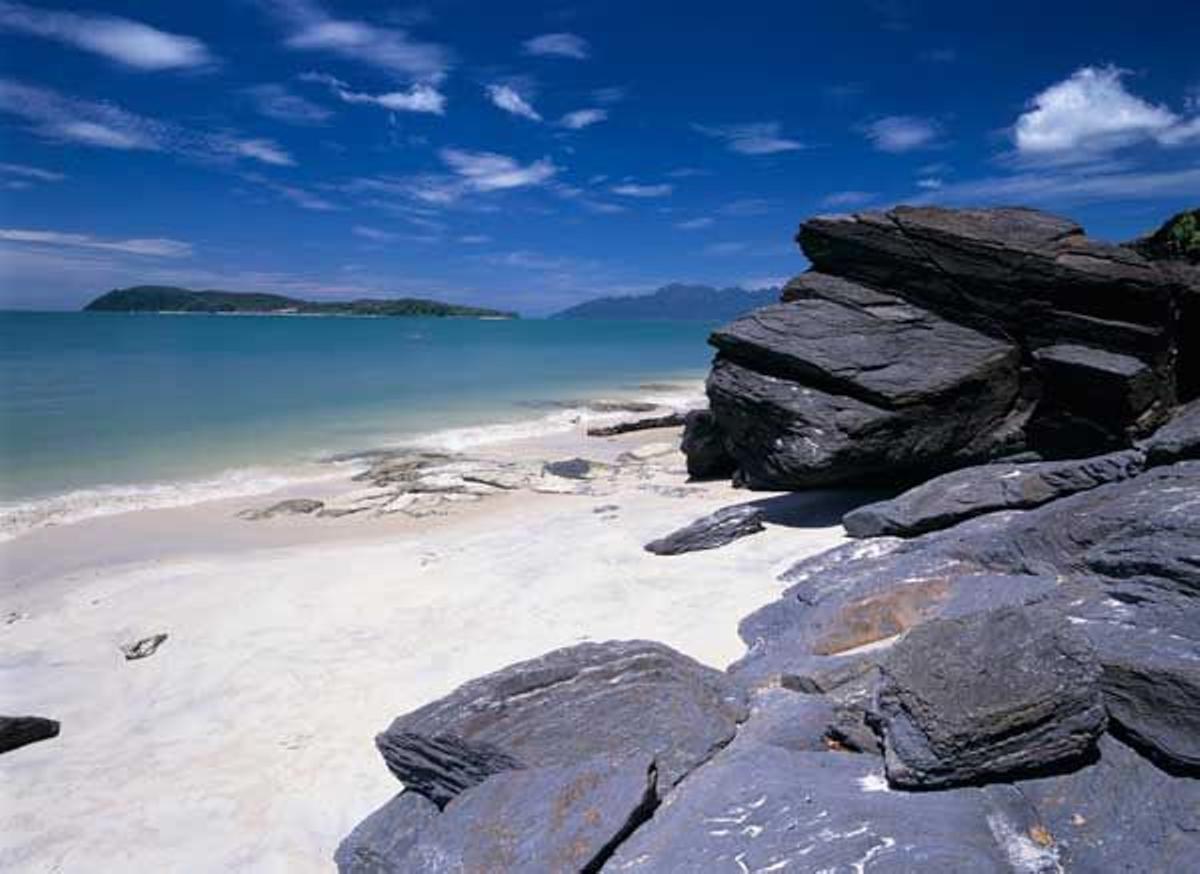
{"points": [[245, 742]]}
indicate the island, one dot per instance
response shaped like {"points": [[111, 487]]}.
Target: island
{"points": [[170, 299], [675, 302]]}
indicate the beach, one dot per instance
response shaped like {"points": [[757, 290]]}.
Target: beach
{"points": [[245, 741]]}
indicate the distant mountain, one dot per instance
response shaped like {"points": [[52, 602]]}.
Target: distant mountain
{"points": [[700, 303], [168, 299]]}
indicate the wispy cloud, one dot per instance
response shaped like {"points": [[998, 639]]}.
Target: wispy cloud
{"points": [[745, 207], [24, 171], [762, 138], [939, 56], [420, 97], [391, 49], [277, 102], [374, 234], [725, 249], [633, 189], [901, 133], [695, 224], [849, 198], [103, 125], [560, 45], [1090, 114], [488, 171], [127, 42], [609, 95], [507, 98], [154, 247], [1058, 187], [582, 118]]}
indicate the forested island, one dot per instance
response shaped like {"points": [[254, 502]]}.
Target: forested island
{"points": [[170, 299]]}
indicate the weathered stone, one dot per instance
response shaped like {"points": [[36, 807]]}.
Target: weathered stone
{"points": [[381, 842], [704, 447], [949, 499], [571, 468], [988, 696], [713, 531], [290, 507], [616, 699], [17, 731], [670, 420], [560, 818], [143, 648], [1177, 440]]}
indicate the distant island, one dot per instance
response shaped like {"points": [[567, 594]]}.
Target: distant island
{"points": [[677, 301], [169, 299]]}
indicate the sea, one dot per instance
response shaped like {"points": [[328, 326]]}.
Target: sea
{"points": [[109, 412]]}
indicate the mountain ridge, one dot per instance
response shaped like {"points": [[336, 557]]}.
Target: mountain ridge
{"points": [[682, 301]]}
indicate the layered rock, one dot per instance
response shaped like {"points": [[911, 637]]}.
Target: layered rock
{"points": [[712, 531], [926, 339]]}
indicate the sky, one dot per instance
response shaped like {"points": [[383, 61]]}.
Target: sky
{"points": [[532, 155]]}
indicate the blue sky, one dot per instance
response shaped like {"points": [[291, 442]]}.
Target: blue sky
{"points": [[530, 155]]}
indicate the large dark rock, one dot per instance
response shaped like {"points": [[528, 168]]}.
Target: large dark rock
{"points": [[963, 494], [614, 699], [704, 447], [712, 531], [381, 842], [988, 696], [1177, 440], [17, 731]]}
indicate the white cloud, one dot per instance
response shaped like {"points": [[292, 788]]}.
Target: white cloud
{"points": [[1090, 113], [901, 133], [155, 247], [633, 189], [930, 184], [763, 138], [277, 102], [506, 97], [612, 95], [127, 42], [561, 45], [488, 171], [849, 198], [582, 118], [724, 249], [390, 49], [694, 224], [474, 239], [373, 234], [27, 172], [103, 125], [1060, 188], [421, 97]]}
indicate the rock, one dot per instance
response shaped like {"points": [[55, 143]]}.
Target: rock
{"points": [[713, 531], [987, 697], [559, 818], [290, 507], [949, 499], [1177, 440], [1120, 814], [670, 420], [766, 808], [704, 447], [615, 699], [571, 468], [143, 648], [622, 406], [17, 731], [381, 842]]}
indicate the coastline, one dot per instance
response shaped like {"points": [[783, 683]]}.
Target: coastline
{"points": [[293, 639]]}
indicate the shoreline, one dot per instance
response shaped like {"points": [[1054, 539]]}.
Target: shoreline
{"points": [[293, 639]]}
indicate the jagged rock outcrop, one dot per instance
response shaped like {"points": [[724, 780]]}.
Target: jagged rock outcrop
{"points": [[712, 531], [926, 339]]}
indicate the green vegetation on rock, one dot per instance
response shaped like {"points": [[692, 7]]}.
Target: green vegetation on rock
{"points": [[1178, 238]]}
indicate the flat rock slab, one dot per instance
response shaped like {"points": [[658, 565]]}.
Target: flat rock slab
{"points": [[963, 494], [763, 808], [617, 699], [988, 696], [381, 842], [18, 731], [713, 531], [565, 818]]}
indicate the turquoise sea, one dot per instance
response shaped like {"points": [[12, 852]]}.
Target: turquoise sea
{"points": [[108, 411]]}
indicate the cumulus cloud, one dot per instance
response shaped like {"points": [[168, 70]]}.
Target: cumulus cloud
{"points": [[560, 45], [127, 42], [1091, 113], [633, 189], [582, 118], [506, 97], [488, 171], [154, 247], [277, 102], [421, 97], [103, 125], [762, 138], [901, 133]]}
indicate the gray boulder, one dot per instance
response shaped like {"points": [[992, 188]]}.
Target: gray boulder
{"points": [[704, 447], [712, 531], [18, 731], [988, 696], [1177, 440], [381, 842], [962, 494], [615, 699]]}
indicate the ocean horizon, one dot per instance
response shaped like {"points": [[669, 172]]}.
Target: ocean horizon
{"points": [[107, 412]]}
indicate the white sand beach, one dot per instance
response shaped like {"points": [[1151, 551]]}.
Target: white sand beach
{"points": [[245, 742]]}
